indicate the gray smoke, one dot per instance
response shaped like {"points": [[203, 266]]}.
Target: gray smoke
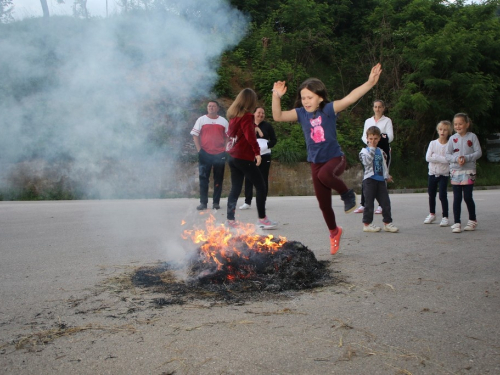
{"points": [[100, 106]]}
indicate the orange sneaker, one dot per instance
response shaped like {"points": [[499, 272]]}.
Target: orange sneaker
{"points": [[335, 241]]}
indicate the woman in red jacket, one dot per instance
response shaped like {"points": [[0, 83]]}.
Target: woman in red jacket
{"points": [[244, 157]]}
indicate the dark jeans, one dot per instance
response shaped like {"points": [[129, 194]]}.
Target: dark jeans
{"points": [[384, 145], [376, 190], [326, 177], [264, 167], [434, 183], [466, 191], [240, 170], [207, 162]]}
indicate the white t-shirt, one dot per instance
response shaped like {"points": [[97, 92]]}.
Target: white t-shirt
{"points": [[384, 124]]}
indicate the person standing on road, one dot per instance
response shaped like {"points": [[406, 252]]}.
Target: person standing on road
{"points": [[318, 117], [439, 172], [375, 179], [244, 157], [266, 137], [462, 152], [385, 125], [209, 136]]}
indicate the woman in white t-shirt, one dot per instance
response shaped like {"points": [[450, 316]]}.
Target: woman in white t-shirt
{"points": [[387, 133]]}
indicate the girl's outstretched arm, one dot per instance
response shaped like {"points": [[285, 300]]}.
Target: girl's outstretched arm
{"points": [[279, 89], [357, 93]]}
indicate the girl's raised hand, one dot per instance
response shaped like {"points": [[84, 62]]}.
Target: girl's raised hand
{"points": [[375, 74], [280, 88]]}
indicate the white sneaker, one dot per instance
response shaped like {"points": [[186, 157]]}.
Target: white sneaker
{"points": [[429, 219], [378, 210], [390, 228], [371, 228], [359, 210], [444, 222], [471, 225], [245, 206], [456, 228]]}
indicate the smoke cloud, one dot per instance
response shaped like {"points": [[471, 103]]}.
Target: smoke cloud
{"points": [[100, 106]]}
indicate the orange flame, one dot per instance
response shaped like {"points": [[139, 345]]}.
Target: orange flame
{"points": [[218, 242]]}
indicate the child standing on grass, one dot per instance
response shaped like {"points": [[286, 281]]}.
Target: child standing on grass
{"points": [[462, 152], [374, 161], [318, 117], [439, 171]]}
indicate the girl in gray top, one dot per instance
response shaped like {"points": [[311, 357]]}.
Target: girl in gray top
{"points": [[462, 152]]}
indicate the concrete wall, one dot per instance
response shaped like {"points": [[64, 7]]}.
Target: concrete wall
{"points": [[284, 180]]}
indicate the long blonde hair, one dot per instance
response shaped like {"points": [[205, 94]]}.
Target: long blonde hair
{"points": [[245, 102]]}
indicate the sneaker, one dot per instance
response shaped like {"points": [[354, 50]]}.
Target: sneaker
{"points": [[245, 206], [349, 199], [359, 210], [378, 210], [335, 241], [456, 228], [429, 219], [232, 224], [201, 207], [390, 228], [266, 223], [371, 228], [216, 206], [471, 225], [444, 222]]}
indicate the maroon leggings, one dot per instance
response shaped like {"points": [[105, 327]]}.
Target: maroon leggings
{"points": [[325, 177]]}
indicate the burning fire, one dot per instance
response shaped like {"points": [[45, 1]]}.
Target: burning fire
{"points": [[222, 245]]}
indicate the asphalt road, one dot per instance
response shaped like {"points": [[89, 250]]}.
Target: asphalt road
{"points": [[421, 301]]}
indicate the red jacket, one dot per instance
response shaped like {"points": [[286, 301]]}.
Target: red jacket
{"points": [[246, 146]]}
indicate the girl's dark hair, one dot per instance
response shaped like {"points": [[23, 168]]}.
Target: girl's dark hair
{"points": [[317, 87], [245, 102], [256, 108]]}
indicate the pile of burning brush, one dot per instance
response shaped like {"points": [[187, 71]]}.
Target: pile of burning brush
{"points": [[239, 260]]}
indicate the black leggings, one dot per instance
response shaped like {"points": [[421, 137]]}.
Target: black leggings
{"points": [[264, 167], [240, 170], [466, 191], [432, 187]]}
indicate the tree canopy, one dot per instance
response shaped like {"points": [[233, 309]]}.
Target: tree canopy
{"points": [[439, 58]]}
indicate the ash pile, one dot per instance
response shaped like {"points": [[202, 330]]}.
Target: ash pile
{"points": [[238, 276]]}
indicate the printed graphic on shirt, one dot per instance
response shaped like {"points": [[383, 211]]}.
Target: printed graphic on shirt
{"points": [[377, 164], [317, 131]]}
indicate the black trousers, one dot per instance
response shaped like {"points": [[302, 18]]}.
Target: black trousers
{"points": [[374, 189], [432, 188], [240, 170], [206, 163], [264, 168], [466, 192]]}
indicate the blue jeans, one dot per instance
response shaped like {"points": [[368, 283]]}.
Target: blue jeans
{"points": [[466, 191], [434, 183], [240, 170]]}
